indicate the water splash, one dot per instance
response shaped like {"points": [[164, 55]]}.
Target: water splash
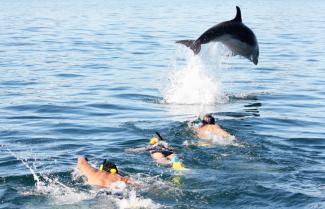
{"points": [[64, 194], [135, 202], [50, 186], [25, 163], [213, 139], [129, 197], [194, 84]]}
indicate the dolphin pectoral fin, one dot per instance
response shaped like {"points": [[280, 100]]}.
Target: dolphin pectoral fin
{"points": [[238, 15], [192, 44]]}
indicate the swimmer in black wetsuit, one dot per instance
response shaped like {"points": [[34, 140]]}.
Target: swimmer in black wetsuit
{"points": [[161, 152]]}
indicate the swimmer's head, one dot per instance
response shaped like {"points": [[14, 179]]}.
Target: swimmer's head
{"points": [[208, 119], [155, 139], [108, 167]]}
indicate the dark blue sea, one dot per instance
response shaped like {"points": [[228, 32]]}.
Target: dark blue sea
{"points": [[98, 77]]}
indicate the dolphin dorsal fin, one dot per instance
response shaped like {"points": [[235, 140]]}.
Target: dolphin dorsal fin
{"points": [[238, 15]]}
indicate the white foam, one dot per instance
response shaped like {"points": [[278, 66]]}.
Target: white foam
{"points": [[219, 140], [193, 84], [60, 193], [136, 202], [212, 139]]}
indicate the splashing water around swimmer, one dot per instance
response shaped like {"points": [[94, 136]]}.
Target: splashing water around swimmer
{"points": [[193, 84], [50, 186]]}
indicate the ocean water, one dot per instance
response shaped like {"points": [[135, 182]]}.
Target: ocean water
{"points": [[98, 77]]}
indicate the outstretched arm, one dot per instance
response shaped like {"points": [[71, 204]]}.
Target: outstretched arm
{"points": [[85, 167], [138, 149]]}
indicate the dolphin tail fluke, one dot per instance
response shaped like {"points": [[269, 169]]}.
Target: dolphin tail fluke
{"points": [[192, 44]]}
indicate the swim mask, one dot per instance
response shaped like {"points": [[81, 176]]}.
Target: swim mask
{"points": [[108, 167]]}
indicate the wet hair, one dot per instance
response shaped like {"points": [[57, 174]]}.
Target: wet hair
{"points": [[208, 119], [107, 166]]}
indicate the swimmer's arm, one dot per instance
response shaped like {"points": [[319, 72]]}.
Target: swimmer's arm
{"points": [[130, 181], [126, 180], [138, 149], [85, 168]]}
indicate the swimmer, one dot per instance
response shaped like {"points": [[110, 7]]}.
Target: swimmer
{"points": [[105, 176], [209, 126], [161, 152]]}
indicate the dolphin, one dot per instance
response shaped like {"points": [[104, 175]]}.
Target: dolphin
{"points": [[234, 34]]}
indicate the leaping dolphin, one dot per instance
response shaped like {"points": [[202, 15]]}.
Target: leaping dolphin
{"points": [[234, 34]]}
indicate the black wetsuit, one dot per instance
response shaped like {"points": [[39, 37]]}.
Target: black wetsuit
{"points": [[161, 147]]}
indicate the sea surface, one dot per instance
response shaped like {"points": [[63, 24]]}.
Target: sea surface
{"points": [[98, 77]]}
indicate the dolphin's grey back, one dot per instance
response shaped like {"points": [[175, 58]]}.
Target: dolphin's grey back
{"points": [[234, 27], [237, 30]]}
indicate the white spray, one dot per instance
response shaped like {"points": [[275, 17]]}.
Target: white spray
{"points": [[193, 84]]}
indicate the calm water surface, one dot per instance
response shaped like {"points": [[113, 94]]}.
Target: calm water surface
{"points": [[90, 78]]}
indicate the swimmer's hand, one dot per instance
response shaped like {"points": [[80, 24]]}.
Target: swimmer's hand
{"points": [[82, 159]]}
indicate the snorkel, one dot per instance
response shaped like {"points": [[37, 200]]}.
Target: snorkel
{"points": [[154, 140]]}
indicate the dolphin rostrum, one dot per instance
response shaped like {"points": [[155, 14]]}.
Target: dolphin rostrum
{"points": [[234, 34]]}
